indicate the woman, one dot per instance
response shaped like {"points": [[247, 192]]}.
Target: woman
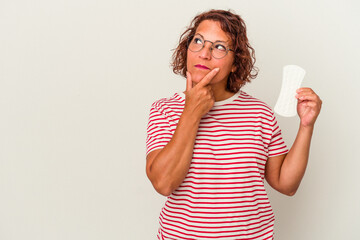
{"points": [[210, 148]]}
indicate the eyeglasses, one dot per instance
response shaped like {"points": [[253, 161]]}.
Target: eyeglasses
{"points": [[218, 49]]}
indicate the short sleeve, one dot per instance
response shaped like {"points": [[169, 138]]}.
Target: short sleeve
{"points": [[277, 145], [158, 130]]}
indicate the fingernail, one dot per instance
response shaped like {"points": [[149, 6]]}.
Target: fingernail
{"points": [[216, 69]]}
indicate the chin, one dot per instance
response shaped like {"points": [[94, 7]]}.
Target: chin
{"points": [[197, 77]]}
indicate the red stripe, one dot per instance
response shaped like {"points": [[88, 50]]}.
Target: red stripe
{"points": [[245, 218], [258, 205], [267, 218]]}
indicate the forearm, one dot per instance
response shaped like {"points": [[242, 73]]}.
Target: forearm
{"points": [[294, 165], [171, 164]]}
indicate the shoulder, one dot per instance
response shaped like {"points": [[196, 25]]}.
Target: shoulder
{"points": [[175, 101]]}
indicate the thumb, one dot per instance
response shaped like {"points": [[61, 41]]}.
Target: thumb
{"points": [[188, 81]]}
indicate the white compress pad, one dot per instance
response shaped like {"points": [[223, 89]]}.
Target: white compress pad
{"points": [[292, 78]]}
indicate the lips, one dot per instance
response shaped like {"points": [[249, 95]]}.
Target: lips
{"points": [[201, 67]]}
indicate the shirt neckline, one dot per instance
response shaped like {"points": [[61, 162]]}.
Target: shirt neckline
{"points": [[218, 103]]}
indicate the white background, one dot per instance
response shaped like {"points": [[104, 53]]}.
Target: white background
{"points": [[77, 78]]}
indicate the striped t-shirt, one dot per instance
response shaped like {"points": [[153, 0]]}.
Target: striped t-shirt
{"points": [[223, 195]]}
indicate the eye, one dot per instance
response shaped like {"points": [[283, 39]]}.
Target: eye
{"points": [[220, 47], [197, 40]]}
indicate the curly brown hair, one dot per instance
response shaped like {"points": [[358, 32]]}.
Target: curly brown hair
{"points": [[244, 54]]}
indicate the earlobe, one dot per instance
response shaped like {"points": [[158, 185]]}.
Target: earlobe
{"points": [[233, 69]]}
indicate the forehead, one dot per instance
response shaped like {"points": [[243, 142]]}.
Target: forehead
{"points": [[211, 30]]}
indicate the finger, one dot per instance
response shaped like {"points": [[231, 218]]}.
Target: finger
{"points": [[312, 105], [307, 100], [209, 90], [310, 97], [207, 79], [304, 89], [307, 96], [212, 94], [188, 81]]}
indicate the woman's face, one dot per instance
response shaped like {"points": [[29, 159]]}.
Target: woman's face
{"points": [[201, 63]]}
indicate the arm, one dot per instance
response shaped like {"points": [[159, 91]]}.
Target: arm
{"points": [[285, 172], [166, 168]]}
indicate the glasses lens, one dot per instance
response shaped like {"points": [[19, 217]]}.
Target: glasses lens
{"points": [[196, 43], [219, 50]]}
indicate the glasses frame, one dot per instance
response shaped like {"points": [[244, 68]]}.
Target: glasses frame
{"points": [[190, 38]]}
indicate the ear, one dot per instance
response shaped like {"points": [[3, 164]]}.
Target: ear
{"points": [[233, 68]]}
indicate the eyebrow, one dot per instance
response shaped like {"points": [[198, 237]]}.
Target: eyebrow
{"points": [[209, 40]]}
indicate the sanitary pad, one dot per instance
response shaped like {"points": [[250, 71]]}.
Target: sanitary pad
{"points": [[292, 78]]}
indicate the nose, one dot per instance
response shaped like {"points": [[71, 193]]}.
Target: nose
{"points": [[205, 52]]}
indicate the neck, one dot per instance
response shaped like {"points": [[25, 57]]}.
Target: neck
{"points": [[220, 92]]}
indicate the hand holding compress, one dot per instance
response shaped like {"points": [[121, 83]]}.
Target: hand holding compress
{"points": [[309, 106]]}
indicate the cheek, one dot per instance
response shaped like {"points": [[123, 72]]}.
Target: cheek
{"points": [[189, 59], [227, 68]]}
